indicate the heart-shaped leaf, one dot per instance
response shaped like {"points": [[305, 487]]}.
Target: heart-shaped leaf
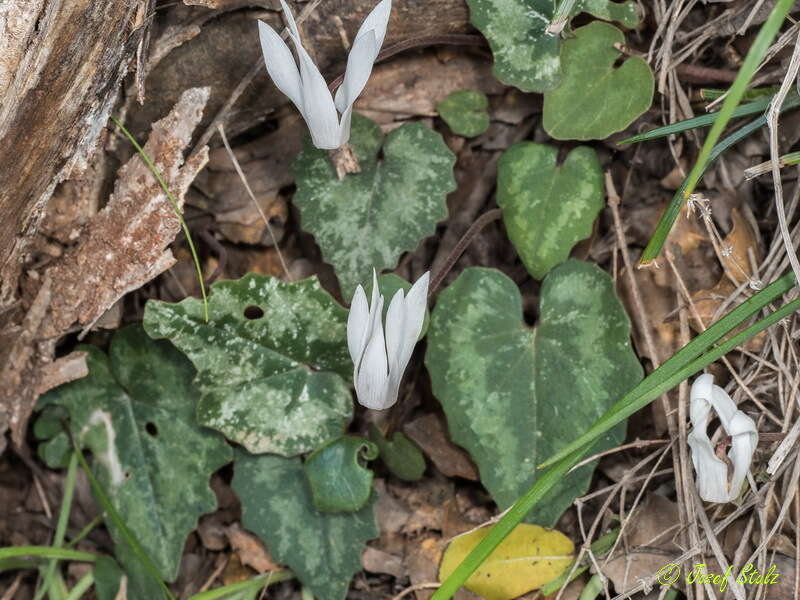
{"points": [[595, 98], [465, 112], [524, 55], [548, 208], [322, 549], [514, 395], [272, 362], [338, 480], [136, 412], [528, 558], [369, 219], [400, 455]]}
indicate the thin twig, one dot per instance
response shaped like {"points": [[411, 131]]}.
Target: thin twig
{"points": [[474, 229], [772, 122], [253, 198]]}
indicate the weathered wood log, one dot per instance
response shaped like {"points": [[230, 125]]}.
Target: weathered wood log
{"points": [[61, 62]]}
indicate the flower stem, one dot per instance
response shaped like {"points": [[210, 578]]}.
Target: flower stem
{"points": [[474, 229]]}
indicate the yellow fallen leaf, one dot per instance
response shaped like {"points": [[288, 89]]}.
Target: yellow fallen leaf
{"points": [[527, 559]]}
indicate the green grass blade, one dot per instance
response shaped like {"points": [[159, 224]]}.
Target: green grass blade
{"points": [[259, 582], [157, 174], [751, 94], [667, 219], [61, 525], [46, 552], [562, 462], [127, 534], [759, 106], [754, 56], [83, 585]]}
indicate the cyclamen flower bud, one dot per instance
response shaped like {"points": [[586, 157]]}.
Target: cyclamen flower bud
{"points": [[379, 361]]}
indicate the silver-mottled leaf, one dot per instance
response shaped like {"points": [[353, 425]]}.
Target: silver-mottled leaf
{"points": [[547, 207], [369, 219], [272, 361], [322, 549], [514, 395], [136, 412]]}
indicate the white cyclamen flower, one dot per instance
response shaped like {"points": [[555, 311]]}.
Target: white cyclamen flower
{"points": [[379, 361], [307, 89], [713, 483]]}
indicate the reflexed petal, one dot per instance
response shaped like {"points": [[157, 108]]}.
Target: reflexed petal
{"points": [[344, 125], [359, 66], [712, 473], [318, 108], [366, 46], [287, 13], [373, 372], [316, 103], [376, 21], [280, 63], [395, 328], [357, 321], [415, 304], [744, 439]]}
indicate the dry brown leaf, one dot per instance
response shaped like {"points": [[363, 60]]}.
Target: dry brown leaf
{"points": [[236, 572], [648, 544], [396, 91], [429, 434], [250, 550], [378, 561]]}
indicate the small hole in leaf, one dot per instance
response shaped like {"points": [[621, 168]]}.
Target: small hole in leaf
{"points": [[127, 475], [151, 428], [253, 312]]}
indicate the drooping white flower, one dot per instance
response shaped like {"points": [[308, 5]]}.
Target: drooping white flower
{"points": [[306, 87], [379, 360], [713, 482]]}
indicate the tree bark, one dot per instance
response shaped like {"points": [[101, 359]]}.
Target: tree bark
{"points": [[61, 62]]}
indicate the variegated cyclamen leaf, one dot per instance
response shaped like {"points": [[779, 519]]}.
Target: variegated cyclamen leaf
{"points": [[465, 112], [596, 98], [272, 361], [547, 207], [322, 549], [524, 55], [368, 219], [514, 395], [136, 412]]}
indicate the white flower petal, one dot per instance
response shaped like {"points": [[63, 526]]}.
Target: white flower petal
{"points": [[712, 473], [376, 21], [280, 63], [366, 46], [344, 125], [318, 108], [373, 372], [316, 103], [359, 67], [357, 321], [416, 303], [744, 438], [287, 13], [395, 329]]}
